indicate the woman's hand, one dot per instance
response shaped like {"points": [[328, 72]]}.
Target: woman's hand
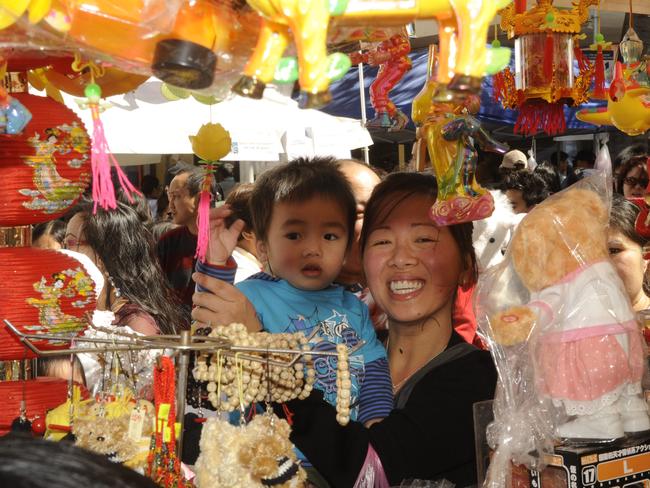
{"points": [[222, 304]]}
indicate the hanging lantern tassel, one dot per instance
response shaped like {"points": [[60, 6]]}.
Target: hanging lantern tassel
{"points": [[211, 143], [203, 217], [102, 159], [583, 64], [520, 6], [549, 48], [599, 86]]}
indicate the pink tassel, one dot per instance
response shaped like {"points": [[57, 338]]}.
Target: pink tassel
{"points": [[203, 217], [101, 161]]}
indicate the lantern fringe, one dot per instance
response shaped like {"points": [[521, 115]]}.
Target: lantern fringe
{"points": [[583, 63], [599, 85], [549, 48], [101, 161], [203, 217], [535, 115]]}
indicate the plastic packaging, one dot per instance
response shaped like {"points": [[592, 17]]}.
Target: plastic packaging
{"points": [[563, 335]]}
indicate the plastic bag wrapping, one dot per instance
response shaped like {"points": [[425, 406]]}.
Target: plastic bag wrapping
{"points": [[562, 333], [131, 370], [372, 472], [426, 484], [124, 36]]}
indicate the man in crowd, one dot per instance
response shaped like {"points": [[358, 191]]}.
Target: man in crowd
{"points": [[177, 247]]}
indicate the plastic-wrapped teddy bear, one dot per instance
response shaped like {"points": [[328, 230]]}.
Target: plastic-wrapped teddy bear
{"points": [[573, 316]]}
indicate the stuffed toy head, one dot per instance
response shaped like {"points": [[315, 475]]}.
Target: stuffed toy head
{"points": [[559, 236]]}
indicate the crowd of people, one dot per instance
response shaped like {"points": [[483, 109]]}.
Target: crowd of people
{"points": [[323, 241]]}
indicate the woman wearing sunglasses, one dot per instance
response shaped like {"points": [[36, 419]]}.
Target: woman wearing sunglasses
{"points": [[632, 178]]}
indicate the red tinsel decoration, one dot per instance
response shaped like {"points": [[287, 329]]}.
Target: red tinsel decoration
{"points": [[536, 115], [583, 63], [499, 86]]}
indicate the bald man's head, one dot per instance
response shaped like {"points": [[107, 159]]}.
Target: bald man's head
{"points": [[362, 179]]}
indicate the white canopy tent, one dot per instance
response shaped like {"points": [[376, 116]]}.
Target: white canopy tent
{"points": [[274, 129]]}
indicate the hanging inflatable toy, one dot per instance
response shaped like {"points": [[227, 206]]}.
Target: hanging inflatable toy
{"points": [[628, 99], [179, 41], [544, 81], [308, 21]]}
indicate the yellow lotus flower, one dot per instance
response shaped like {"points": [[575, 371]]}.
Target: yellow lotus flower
{"points": [[211, 143]]}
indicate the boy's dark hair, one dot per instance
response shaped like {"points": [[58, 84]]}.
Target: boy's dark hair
{"points": [[533, 188], [296, 182]]}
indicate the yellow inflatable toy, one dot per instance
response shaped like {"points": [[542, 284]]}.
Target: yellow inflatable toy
{"points": [[628, 101], [308, 21]]}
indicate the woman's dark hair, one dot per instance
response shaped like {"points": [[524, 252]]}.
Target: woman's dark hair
{"points": [[629, 159], [296, 182], [26, 462], [54, 228], [127, 251], [139, 204], [623, 218], [549, 173], [532, 186], [394, 190]]}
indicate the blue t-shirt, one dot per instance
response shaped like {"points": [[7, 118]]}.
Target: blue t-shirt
{"points": [[336, 316]]}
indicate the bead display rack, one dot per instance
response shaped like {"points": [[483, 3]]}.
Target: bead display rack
{"points": [[182, 346]]}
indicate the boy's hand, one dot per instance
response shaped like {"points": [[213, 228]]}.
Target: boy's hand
{"points": [[222, 239]]}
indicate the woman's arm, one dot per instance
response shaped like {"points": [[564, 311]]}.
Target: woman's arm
{"points": [[431, 438]]}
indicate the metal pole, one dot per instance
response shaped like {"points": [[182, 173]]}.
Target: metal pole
{"points": [[182, 366], [362, 96]]}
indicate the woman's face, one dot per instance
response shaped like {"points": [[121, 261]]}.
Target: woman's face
{"points": [[635, 182], [412, 266], [75, 239], [627, 256]]}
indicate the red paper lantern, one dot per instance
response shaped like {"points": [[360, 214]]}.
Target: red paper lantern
{"points": [[40, 395], [44, 292], [46, 168]]}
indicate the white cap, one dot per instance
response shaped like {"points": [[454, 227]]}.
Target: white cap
{"points": [[511, 158]]}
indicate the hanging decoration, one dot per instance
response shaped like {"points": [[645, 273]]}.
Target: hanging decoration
{"points": [[45, 167], [29, 400], [544, 81], [628, 98], [309, 22], [49, 293], [163, 465], [211, 143], [447, 133], [13, 114], [391, 56], [102, 159]]}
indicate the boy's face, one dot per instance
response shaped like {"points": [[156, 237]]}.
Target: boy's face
{"points": [[306, 242]]}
